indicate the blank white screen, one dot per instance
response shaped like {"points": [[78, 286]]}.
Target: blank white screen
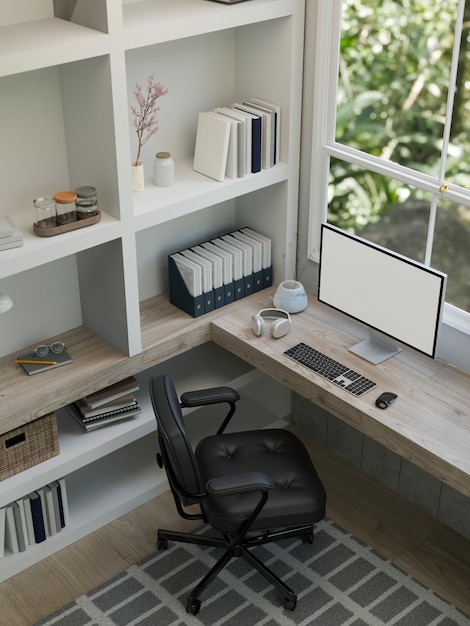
{"points": [[390, 293]]}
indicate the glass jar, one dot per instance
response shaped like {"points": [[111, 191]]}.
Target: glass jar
{"points": [[45, 209], [163, 170], [65, 203], [86, 203]]}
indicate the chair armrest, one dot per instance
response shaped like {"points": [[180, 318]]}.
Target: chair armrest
{"points": [[240, 483], [214, 395]]}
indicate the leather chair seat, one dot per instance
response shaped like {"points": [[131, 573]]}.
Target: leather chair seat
{"points": [[297, 492]]}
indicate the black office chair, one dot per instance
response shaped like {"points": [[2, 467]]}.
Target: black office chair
{"points": [[252, 487]]}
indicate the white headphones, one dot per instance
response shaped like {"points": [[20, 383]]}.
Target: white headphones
{"points": [[280, 327]]}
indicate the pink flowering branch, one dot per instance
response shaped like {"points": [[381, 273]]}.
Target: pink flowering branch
{"points": [[145, 113]]}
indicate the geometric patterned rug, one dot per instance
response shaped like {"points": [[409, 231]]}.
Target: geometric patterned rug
{"points": [[339, 581]]}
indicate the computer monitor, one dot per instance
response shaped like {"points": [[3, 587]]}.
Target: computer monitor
{"points": [[400, 299]]}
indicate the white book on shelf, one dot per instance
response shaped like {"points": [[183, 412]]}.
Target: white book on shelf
{"points": [[50, 512], [240, 125], [6, 228], [267, 121], [211, 149], [22, 528], [255, 121], [231, 168], [2, 531], [42, 497], [29, 520], [244, 119], [11, 537], [271, 106], [65, 502]]}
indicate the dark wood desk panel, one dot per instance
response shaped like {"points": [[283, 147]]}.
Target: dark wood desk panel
{"points": [[429, 423]]}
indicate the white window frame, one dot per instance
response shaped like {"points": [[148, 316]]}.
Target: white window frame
{"points": [[327, 44]]}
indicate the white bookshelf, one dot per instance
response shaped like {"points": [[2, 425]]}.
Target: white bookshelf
{"points": [[67, 73]]}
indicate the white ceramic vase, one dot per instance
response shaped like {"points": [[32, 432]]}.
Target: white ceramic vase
{"points": [[137, 177], [290, 296]]}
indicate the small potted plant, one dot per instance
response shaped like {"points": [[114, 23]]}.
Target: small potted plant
{"points": [[145, 120]]}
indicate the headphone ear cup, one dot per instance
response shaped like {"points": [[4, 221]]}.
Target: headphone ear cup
{"points": [[280, 327], [257, 325]]}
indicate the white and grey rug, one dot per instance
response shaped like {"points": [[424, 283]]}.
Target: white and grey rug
{"points": [[339, 582]]}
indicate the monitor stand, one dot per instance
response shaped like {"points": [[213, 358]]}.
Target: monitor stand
{"points": [[376, 349]]}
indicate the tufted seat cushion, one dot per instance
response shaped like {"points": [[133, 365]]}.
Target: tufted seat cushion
{"points": [[297, 493]]}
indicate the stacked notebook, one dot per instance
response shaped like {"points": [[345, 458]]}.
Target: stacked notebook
{"points": [[237, 140], [10, 236], [109, 405], [217, 272], [33, 518]]}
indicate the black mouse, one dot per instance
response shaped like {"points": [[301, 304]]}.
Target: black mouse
{"points": [[385, 399]]}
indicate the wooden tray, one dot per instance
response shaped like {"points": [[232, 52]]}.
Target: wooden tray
{"points": [[65, 228]]}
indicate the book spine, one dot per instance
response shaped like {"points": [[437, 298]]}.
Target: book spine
{"points": [[2, 532], [11, 538], [38, 517], [20, 527]]}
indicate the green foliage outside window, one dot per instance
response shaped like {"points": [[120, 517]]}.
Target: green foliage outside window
{"points": [[392, 102]]}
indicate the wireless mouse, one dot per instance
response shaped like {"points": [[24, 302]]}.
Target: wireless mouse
{"points": [[385, 399]]}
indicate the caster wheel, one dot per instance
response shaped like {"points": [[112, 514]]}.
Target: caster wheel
{"points": [[290, 603], [193, 607], [162, 544], [307, 539]]}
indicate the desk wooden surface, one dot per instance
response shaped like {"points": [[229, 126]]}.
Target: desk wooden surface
{"points": [[428, 424]]}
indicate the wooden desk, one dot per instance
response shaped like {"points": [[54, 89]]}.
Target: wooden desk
{"points": [[428, 424]]}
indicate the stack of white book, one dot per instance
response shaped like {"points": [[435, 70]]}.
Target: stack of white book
{"points": [[233, 141], [32, 519], [10, 236], [108, 405]]}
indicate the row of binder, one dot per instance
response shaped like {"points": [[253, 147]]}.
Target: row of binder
{"points": [[217, 272]]}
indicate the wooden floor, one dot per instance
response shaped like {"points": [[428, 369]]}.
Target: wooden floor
{"points": [[413, 540]]}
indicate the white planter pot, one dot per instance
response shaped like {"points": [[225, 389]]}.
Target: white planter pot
{"points": [[290, 296]]}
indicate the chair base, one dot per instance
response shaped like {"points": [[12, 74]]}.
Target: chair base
{"points": [[234, 548]]}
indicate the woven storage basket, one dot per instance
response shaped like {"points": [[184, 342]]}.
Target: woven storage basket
{"points": [[28, 445]]}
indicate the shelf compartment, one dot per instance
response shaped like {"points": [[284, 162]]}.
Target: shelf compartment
{"points": [[151, 22], [112, 470], [39, 43], [193, 192], [98, 494], [78, 448]]}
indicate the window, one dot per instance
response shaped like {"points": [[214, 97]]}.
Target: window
{"points": [[391, 131]]}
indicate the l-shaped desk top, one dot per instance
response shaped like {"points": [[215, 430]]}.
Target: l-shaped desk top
{"points": [[429, 422]]}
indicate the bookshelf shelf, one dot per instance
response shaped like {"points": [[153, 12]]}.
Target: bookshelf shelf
{"points": [[103, 289]]}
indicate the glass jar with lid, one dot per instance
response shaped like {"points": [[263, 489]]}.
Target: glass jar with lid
{"points": [[45, 209], [65, 203], [86, 203]]}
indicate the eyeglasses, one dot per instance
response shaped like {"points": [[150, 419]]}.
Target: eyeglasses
{"points": [[57, 347]]}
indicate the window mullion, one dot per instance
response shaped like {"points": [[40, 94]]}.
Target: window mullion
{"points": [[452, 87]]}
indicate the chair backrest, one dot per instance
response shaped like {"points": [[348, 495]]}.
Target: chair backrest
{"points": [[178, 456]]}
